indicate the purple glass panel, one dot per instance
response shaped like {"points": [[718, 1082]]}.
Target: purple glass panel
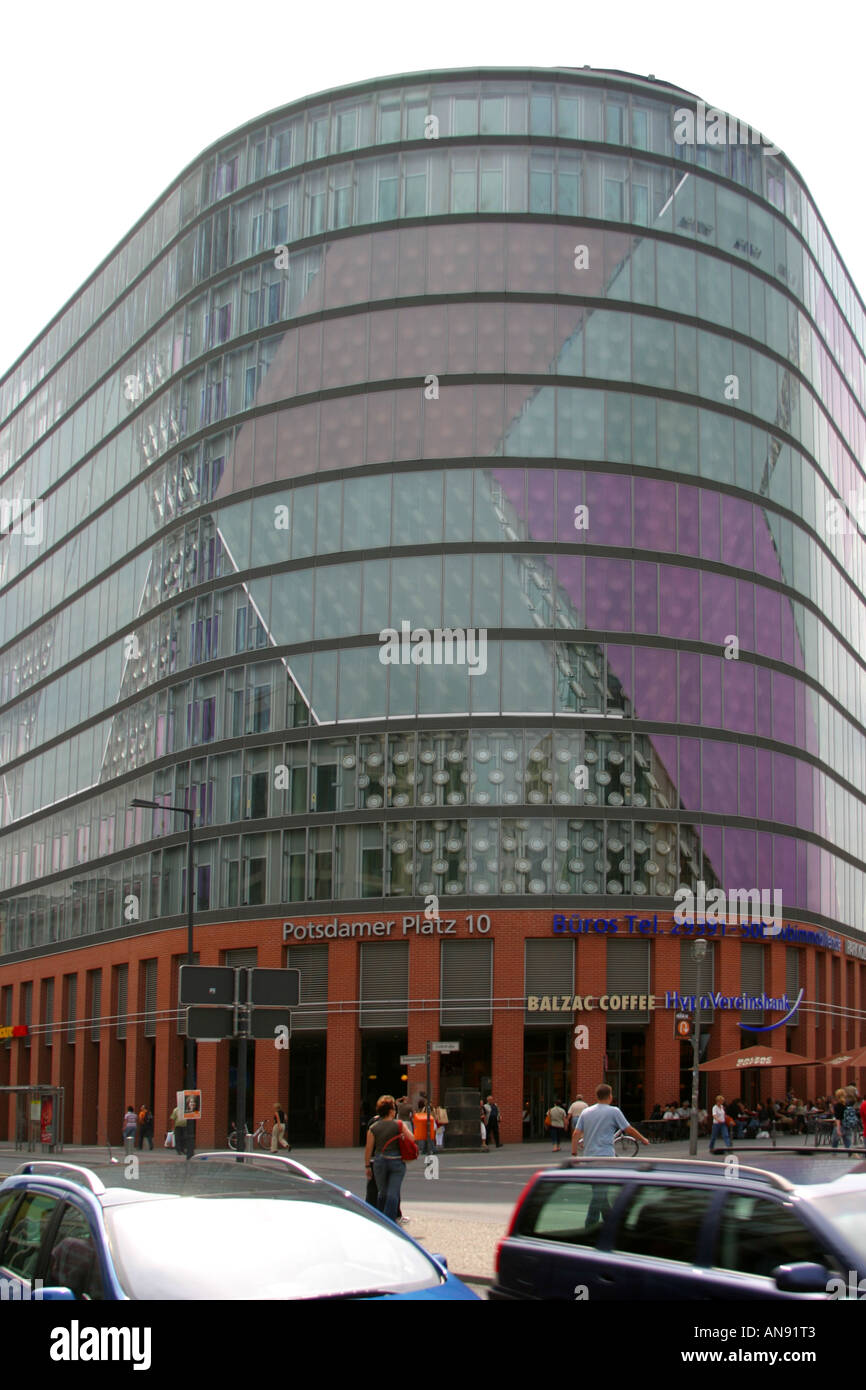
{"points": [[805, 775], [740, 859], [646, 598], [608, 594], [747, 780], [448, 423], [655, 516], [718, 607], [540, 490], [609, 499], [690, 773], [489, 415], [768, 630], [408, 424], [678, 602], [745, 628], [737, 533], [764, 879], [802, 873], [664, 764], [655, 684], [766, 558], [810, 715], [711, 841], [738, 679], [719, 781], [711, 691], [688, 525], [765, 784], [380, 426], [710, 526], [764, 700], [784, 723], [297, 441], [788, 643], [785, 867], [689, 687], [784, 789], [569, 578], [569, 494], [813, 878]]}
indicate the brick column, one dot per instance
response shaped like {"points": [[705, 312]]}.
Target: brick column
{"points": [[663, 1047], [169, 1045], [508, 994], [271, 1082], [587, 1064], [727, 1036], [344, 1047], [84, 1129], [136, 1080], [424, 977]]}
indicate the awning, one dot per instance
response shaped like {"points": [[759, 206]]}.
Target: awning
{"points": [[753, 1058]]}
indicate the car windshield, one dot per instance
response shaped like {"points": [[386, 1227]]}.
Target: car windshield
{"points": [[846, 1211], [260, 1248]]}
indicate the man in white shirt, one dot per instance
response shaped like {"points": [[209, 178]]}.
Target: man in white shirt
{"points": [[576, 1108], [597, 1124]]}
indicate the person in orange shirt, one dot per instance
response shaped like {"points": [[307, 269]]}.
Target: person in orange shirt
{"points": [[424, 1130]]}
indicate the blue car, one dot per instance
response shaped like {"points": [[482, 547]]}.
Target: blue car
{"points": [[221, 1226]]}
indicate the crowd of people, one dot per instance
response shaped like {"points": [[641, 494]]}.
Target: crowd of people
{"points": [[844, 1112]]}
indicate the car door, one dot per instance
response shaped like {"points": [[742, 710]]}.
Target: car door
{"points": [[557, 1249], [753, 1234], [72, 1258], [658, 1238], [22, 1250]]}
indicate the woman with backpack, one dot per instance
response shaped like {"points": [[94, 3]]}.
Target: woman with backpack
{"points": [[383, 1159], [846, 1126]]}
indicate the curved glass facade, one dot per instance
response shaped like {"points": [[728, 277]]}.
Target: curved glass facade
{"points": [[491, 352]]}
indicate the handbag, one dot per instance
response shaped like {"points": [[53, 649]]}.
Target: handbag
{"points": [[406, 1144], [169, 1140]]}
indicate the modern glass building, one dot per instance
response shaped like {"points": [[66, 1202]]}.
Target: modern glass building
{"points": [[493, 350]]}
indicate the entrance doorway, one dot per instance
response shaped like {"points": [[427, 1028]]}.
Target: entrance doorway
{"points": [[307, 1057], [626, 1070], [382, 1073], [546, 1074]]}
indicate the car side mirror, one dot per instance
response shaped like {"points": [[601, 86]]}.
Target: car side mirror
{"points": [[57, 1293], [803, 1277], [441, 1260]]}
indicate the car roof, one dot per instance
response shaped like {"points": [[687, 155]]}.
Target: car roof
{"points": [[682, 1169], [850, 1182]]}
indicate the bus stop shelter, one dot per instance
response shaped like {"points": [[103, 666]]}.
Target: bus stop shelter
{"points": [[38, 1117]]}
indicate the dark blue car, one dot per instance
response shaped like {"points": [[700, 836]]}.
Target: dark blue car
{"points": [[218, 1227], [630, 1229]]}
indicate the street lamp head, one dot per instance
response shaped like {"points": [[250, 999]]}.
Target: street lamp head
{"points": [[699, 949], [140, 801]]}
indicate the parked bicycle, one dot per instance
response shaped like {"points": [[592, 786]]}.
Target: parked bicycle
{"points": [[261, 1136], [624, 1145]]}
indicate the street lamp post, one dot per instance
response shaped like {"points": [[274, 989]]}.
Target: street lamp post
{"points": [[699, 950], [190, 1042]]}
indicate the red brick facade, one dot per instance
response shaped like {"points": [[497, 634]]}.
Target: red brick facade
{"points": [[102, 1077]]}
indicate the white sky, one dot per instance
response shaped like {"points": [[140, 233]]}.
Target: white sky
{"points": [[103, 103]]}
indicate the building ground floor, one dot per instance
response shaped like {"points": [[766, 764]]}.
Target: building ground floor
{"points": [[542, 1004]]}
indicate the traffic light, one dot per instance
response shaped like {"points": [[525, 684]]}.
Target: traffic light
{"points": [[684, 1027]]}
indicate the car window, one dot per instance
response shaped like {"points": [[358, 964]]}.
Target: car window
{"points": [[7, 1201], [21, 1253], [73, 1262], [664, 1221], [755, 1235], [571, 1211]]}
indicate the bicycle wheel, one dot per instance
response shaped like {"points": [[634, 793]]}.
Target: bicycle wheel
{"points": [[233, 1140], [264, 1139], [625, 1146]]}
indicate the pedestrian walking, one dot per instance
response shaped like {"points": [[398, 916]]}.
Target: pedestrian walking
{"points": [[526, 1121], [423, 1126], [278, 1133], [382, 1157], [441, 1125], [597, 1125], [720, 1125], [555, 1123], [577, 1105], [130, 1125], [483, 1120], [145, 1127], [372, 1193], [494, 1115], [178, 1123]]}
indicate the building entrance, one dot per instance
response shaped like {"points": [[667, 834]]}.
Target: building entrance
{"points": [[546, 1074], [382, 1074], [625, 1071], [307, 1057]]}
